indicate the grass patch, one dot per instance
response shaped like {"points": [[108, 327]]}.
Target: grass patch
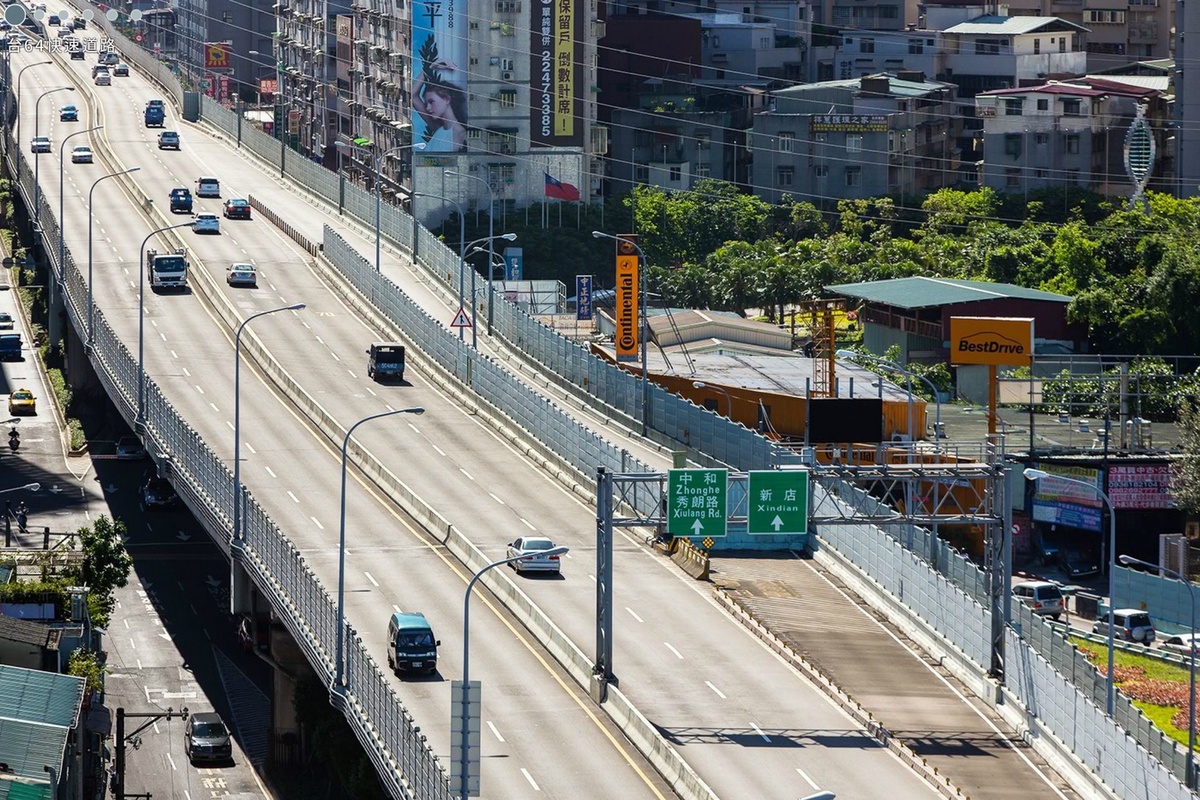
{"points": [[1161, 717]]}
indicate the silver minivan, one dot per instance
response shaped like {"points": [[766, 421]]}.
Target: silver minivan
{"points": [[208, 187], [1043, 597]]}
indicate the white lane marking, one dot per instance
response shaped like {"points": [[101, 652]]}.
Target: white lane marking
{"points": [[162, 336], [673, 650], [529, 778], [440, 450], [185, 372], [495, 732], [132, 644], [804, 775], [172, 762], [528, 524], [214, 407], [292, 496], [414, 428], [633, 614], [317, 522], [198, 389], [302, 322], [251, 449], [497, 499], [319, 339], [593, 577], [398, 611], [371, 578], [335, 355], [759, 731], [230, 424], [271, 472], [174, 354], [464, 472], [154, 323], [389, 407], [717, 691], [352, 375], [372, 392]]}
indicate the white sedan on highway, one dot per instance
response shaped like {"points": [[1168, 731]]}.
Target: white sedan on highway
{"points": [[81, 155], [242, 274], [207, 223]]}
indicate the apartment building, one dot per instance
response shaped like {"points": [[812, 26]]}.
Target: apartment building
{"points": [[213, 43], [1066, 133], [859, 138]]}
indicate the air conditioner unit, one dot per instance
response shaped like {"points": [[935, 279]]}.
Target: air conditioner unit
{"points": [[508, 76]]}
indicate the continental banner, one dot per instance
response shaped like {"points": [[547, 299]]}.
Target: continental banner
{"points": [[556, 71], [627, 308]]}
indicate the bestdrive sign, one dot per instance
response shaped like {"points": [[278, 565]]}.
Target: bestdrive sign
{"points": [[556, 85], [996, 341]]}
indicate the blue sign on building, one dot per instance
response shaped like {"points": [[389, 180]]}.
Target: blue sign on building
{"points": [[583, 297], [513, 259]]}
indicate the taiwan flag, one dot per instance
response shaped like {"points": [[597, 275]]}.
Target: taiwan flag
{"points": [[559, 190]]}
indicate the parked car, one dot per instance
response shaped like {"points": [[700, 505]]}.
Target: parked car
{"points": [[1131, 625], [158, 493], [1185, 643], [129, 448], [242, 274], [81, 155], [1043, 597], [207, 738], [168, 140], [40, 144], [1078, 564], [68, 113], [207, 222], [121, 70], [6, 321], [22, 401], [532, 549], [237, 208]]}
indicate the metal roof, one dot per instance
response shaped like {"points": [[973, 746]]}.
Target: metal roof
{"points": [[1014, 26], [43, 697], [897, 87], [28, 747], [922, 292], [26, 632]]}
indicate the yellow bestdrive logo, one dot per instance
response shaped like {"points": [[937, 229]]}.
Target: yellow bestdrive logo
{"points": [[991, 340]]}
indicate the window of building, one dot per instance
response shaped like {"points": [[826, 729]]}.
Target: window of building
{"points": [[1013, 106], [785, 176], [1041, 138], [1041, 174], [990, 47], [1012, 144], [703, 142], [1012, 177], [507, 98], [866, 45], [820, 138], [1062, 44], [764, 43], [1072, 107], [787, 142], [702, 169], [854, 142], [821, 171], [1037, 46], [888, 12], [854, 176], [676, 173], [915, 47], [1072, 142], [1043, 104], [641, 173]]}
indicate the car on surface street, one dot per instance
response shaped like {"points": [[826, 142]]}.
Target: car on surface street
{"points": [[1043, 597], [158, 493], [129, 448], [531, 549], [6, 321], [207, 738], [22, 401]]}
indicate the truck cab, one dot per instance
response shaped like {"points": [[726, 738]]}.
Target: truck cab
{"points": [[167, 270], [181, 200], [385, 360], [411, 646]]}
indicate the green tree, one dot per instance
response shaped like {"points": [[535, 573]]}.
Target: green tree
{"points": [[738, 269], [106, 563], [1185, 472]]}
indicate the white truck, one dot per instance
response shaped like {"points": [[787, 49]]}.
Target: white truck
{"points": [[168, 270]]}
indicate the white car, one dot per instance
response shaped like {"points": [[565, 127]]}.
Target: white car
{"points": [[40, 144], [207, 223], [81, 155], [103, 78], [1184, 643], [6, 321], [242, 274], [531, 549]]}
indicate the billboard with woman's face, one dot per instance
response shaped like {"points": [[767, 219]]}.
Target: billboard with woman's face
{"points": [[439, 91]]}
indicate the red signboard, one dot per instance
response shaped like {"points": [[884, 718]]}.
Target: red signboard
{"points": [[223, 88], [1140, 485], [216, 55], [267, 85]]}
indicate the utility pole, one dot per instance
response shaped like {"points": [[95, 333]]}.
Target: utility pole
{"points": [[118, 787]]}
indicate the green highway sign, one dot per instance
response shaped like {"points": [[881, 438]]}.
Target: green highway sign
{"points": [[697, 501], [777, 502]]}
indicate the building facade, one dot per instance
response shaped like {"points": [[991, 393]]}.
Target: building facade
{"points": [[214, 40]]}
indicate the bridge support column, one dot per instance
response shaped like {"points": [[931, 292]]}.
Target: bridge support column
{"points": [[56, 310]]}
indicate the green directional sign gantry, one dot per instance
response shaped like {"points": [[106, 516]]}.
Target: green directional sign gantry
{"points": [[777, 502], [697, 501]]}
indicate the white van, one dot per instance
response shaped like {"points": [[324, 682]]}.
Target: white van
{"points": [[208, 187]]}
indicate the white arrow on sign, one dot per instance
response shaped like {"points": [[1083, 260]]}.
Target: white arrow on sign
{"points": [[183, 537], [55, 489], [211, 581], [111, 488], [697, 527], [777, 523]]}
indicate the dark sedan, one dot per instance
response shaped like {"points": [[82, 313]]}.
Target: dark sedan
{"points": [[236, 208]]}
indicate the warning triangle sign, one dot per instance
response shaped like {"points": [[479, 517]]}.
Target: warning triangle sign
{"points": [[461, 320]]}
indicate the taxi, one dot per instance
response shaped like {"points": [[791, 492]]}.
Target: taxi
{"points": [[22, 401]]}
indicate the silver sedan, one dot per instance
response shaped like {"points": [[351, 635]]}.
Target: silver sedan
{"points": [[532, 550]]}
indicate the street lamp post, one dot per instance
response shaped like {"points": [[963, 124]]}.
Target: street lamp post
{"points": [[462, 238], [340, 667], [29, 487], [91, 331], [464, 709], [883, 362], [728, 399], [645, 323], [1187, 584], [141, 405], [378, 182], [61, 221], [462, 268], [490, 240], [1038, 474], [37, 162], [17, 97], [237, 533]]}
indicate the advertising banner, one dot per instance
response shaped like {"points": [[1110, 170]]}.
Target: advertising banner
{"points": [[849, 123], [513, 258], [1140, 486], [991, 340], [216, 56], [583, 297], [627, 308], [1066, 503], [267, 85], [556, 71], [439, 90]]}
